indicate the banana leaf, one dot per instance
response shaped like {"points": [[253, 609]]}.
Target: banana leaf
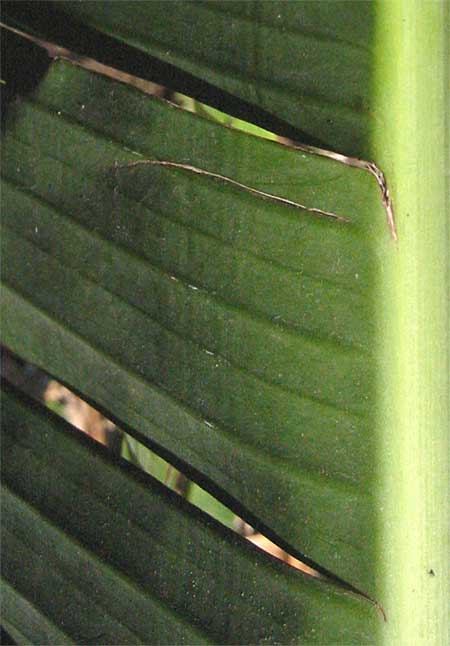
{"points": [[309, 63], [95, 551], [211, 320], [396, 410]]}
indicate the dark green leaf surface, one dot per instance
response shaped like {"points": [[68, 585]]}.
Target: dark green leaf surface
{"points": [[309, 63], [109, 556], [234, 332]]}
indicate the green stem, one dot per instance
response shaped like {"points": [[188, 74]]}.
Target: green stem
{"points": [[411, 145]]}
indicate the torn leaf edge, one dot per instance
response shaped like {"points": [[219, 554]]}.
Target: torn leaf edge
{"points": [[56, 51]]}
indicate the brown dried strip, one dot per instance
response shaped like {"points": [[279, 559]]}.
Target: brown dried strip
{"points": [[249, 189], [356, 163]]}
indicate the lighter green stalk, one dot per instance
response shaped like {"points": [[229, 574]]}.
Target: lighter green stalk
{"points": [[410, 144]]}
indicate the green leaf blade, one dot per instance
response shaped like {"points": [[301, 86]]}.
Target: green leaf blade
{"points": [[235, 360], [137, 564], [302, 61]]}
